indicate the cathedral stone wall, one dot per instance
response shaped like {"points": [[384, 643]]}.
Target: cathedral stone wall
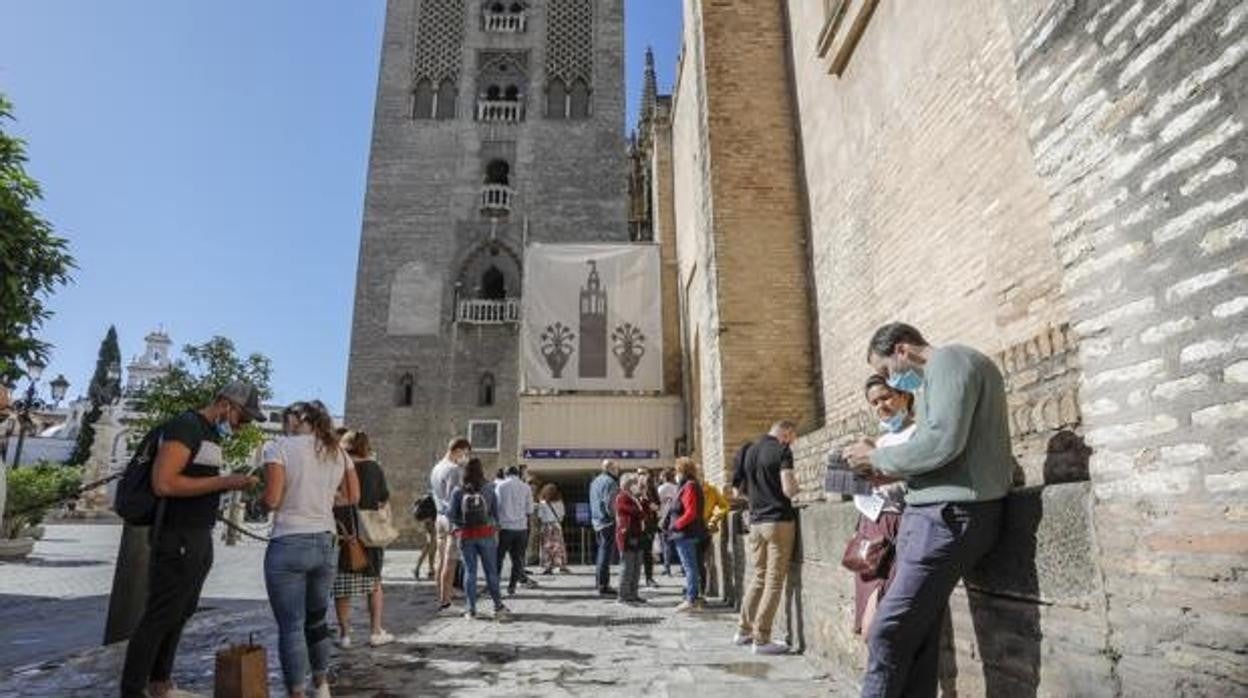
{"points": [[1059, 183]]}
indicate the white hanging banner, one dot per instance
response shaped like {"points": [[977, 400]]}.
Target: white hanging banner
{"points": [[592, 318]]}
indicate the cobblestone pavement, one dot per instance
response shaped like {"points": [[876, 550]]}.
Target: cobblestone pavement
{"points": [[563, 640]]}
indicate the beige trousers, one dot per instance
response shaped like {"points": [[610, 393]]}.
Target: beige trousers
{"points": [[771, 549]]}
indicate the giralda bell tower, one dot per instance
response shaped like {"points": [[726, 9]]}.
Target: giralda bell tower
{"points": [[498, 123]]}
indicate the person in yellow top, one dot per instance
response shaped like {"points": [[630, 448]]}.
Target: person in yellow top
{"points": [[715, 508]]}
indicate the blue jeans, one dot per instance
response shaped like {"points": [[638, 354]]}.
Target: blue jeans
{"points": [[605, 537], [485, 549], [298, 573], [687, 549]]}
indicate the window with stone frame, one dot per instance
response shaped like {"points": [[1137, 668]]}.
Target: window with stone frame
{"points": [[446, 100], [569, 58], [485, 390], [502, 76], [578, 100], [406, 393], [422, 100], [556, 100], [437, 59], [486, 435]]}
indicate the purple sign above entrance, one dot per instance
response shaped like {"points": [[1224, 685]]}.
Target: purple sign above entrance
{"points": [[589, 454]]}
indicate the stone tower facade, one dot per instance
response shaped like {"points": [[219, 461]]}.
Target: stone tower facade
{"points": [[497, 124]]}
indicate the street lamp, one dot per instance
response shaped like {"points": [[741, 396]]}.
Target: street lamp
{"points": [[59, 386], [31, 402]]}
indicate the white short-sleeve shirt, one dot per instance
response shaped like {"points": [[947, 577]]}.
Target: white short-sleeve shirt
{"points": [[312, 479]]}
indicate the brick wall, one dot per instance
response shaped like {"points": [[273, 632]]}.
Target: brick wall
{"points": [[925, 205], [1135, 115], [734, 71]]}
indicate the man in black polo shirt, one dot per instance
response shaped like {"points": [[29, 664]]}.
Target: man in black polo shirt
{"points": [[767, 478], [187, 476]]}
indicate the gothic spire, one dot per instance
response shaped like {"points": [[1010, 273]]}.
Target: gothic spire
{"points": [[651, 88]]}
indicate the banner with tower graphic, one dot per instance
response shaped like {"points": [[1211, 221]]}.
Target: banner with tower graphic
{"points": [[592, 318]]}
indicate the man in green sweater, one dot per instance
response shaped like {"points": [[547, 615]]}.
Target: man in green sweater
{"points": [[959, 468]]}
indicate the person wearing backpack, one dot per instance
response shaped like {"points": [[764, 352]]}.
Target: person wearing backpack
{"points": [[473, 513], [180, 469]]}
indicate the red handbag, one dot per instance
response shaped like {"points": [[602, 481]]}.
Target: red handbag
{"points": [[868, 556]]}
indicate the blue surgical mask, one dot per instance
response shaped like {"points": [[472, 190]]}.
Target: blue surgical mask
{"points": [[907, 381], [224, 429], [896, 422]]}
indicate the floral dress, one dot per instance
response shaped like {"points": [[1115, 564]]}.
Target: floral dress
{"points": [[553, 552]]}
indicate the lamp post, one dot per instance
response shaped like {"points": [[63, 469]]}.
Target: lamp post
{"points": [[31, 402]]}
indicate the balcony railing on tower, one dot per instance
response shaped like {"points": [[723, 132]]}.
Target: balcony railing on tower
{"points": [[509, 111], [505, 22], [496, 198], [488, 312]]}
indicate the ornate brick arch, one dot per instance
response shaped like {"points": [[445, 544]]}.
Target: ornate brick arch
{"points": [[480, 259]]}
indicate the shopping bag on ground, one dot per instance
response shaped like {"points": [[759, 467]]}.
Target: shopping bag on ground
{"points": [[242, 672]]}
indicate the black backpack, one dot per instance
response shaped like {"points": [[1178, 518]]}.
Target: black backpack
{"points": [[475, 510], [425, 509], [134, 501]]}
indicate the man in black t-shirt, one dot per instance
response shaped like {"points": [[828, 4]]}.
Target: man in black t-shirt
{"points": [[766, 475], [187, 476]]}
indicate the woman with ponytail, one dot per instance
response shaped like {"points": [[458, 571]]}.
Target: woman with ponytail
{"points": [[306, 471]]}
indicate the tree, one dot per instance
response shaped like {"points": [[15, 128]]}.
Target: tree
{"points": [[33, 260], [102, 391], [193, 381]]}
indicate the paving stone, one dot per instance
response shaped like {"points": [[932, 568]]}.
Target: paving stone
{"points": [[563, 639]]}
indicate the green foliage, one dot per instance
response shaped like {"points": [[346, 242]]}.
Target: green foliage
{"points": [[193, 382], [101, 391], [33, 491], [33, 260]]}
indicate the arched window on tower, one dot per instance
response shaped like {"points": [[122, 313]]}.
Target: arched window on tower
{"points": [[512, 94], [493, 285], [492, 93], [556, 100], [498, 172], [422, 100], [578, 100], [485, 390], [407, 390], [446, 100]]}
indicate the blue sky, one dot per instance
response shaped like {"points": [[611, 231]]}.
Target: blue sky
{"points": [[206, 162]]}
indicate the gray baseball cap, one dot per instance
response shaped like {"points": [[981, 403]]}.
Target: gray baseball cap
{"points": [[246, 396]]}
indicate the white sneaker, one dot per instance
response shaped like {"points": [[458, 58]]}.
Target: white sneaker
{"points": [[381, 638], [322, 691], [741, 640], [686, 607], [470, 615], [344, 642], [771, 648]]}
